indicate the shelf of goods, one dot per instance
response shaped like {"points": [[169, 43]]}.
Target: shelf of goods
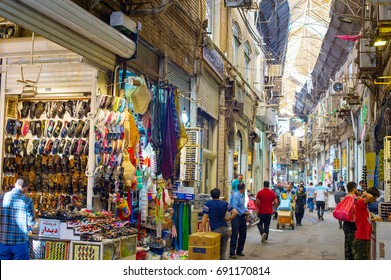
{"points": [[123, 248], [48, 145], [91, 238]]}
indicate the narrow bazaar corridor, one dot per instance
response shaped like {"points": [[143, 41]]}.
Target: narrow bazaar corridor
{"points": [[315, 240]]}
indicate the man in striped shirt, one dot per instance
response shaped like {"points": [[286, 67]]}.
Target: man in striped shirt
{"points": [[16, 216]]}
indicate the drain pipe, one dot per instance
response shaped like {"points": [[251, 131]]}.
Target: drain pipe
{"points": [[156, 11]]}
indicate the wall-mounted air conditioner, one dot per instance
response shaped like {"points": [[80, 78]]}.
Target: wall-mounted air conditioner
{"points": [[266, 115], [384, 15], [336, 88], [367, 54]]}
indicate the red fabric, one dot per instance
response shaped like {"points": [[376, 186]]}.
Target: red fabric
{"points": [[352, 38], [252, 205], [266, 198], [363, 221]]}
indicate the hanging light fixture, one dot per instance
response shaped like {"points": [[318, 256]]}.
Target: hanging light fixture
{"points": [[185, 118]]}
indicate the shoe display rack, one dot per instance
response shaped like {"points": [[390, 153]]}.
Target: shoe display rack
{"points": [[108, 148], [48, 146]]}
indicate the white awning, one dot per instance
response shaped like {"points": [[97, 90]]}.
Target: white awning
{"points": [[72, 27]]}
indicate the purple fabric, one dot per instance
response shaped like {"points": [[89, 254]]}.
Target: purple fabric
{"points": [[170, 148]]}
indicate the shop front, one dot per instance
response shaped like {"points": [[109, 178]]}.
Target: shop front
{"points": [[95, 154], [53, 113]]}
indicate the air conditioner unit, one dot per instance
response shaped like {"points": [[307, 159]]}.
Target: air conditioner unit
{"points": [[191, 156], [384, 15], [367, 54], [124, 24], [266, 115], [336, 88], [238, 107], [274, 70]]}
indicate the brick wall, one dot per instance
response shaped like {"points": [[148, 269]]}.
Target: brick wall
{"points": [[175, 32]]}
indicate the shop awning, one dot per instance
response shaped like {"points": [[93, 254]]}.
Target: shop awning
{"points": [[72, 27]]}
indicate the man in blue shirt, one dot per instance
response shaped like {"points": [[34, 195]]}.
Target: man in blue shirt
{"points": [[16, 217], [310, 197], [239, 226], [216, 211], [320, 197]]}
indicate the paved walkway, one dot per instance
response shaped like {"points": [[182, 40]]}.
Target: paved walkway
{"points": [[314, 240]]}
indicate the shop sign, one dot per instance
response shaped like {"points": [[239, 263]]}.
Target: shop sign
{"points": [[182, 192], [49, 228], [214, 59]]}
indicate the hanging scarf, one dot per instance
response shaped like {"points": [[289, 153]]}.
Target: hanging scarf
{"points": [[352, 38], [170, 148], [132, 135]]}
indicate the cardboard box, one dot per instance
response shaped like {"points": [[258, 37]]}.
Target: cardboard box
{"points": [[204, 239], [284, 213], [204, 253]]}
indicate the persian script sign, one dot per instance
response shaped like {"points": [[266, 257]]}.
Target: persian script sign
{"points": [[49, 228], [214, 59]]}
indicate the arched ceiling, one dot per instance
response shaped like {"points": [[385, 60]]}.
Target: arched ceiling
{"points": [[312, 50]]}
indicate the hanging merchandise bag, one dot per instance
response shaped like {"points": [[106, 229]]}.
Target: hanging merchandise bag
{"points": [[140, 97], [344, 211], [129, 170]]}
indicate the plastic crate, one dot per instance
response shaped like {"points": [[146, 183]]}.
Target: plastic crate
{"points": [[384, 210]]}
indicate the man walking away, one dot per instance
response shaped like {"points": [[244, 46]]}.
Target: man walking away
{"points": [[216, 211], [310, 197], [349, 228], [364, 226], [320, 197], [16, 217], [238, 224], [265, 200], [337, 197], [301, 198]]}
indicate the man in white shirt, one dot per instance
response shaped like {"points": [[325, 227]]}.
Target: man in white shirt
{"points": [[320, 197]]}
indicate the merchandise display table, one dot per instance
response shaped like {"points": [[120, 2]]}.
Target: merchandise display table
{"points": [[44, 248]]}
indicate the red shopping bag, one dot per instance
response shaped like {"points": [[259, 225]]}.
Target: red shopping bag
{"points": [[344, 211]]}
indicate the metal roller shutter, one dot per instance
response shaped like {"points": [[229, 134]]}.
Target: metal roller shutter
{"points": [[57, 69], [179, 79], [146, 61], [209, 95], [54, 78]]}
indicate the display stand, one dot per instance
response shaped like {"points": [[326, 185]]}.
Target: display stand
{"points": [[123, 248]]}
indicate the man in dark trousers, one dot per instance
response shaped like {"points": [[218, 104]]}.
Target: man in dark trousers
{"points": [[265, 200], [238, 224], [362, 241], [301, 200], [216, 211], [349, 228]]}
